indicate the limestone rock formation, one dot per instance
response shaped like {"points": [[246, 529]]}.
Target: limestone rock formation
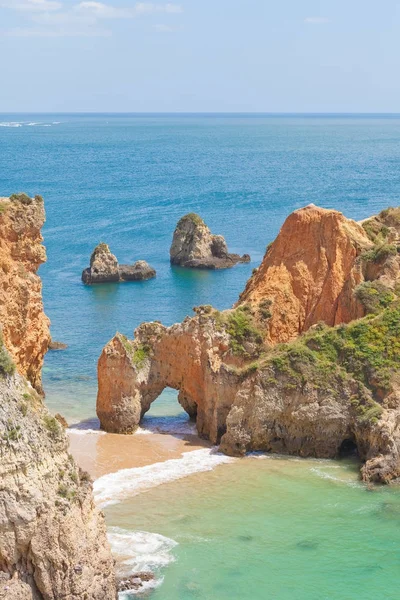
{"points": [[104, 268], [24, 325], [333, 385], [52, 537], [194, 246], [309, 273]]}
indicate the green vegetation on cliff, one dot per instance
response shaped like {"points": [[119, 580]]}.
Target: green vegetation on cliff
{"points": [[239, 324], [367, 350], [7, 366], [374, 296], [193, 217]]}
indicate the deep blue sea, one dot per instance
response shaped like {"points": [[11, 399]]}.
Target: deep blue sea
{"points": [[250, 529], [127, 179]]}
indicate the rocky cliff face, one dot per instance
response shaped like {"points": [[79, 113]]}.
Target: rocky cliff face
{"points": [[24, 325], [309, 273], [194, 246], [332, 387], [52, 537]]}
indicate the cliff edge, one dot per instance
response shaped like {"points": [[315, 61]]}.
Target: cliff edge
{"points": [[52, 537], [24, 325]]}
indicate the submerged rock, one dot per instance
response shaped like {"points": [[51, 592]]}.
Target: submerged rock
{"points": [[104, 268], [57, 345], [135, 582], [326, 390], [194, 246]]}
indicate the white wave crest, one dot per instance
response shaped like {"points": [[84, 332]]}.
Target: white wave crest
{"points": [[115, 487], [10, 124], [140, 551]]}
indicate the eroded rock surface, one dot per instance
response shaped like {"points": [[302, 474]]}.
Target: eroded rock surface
{"points": [[104, 268], [310, 272], [194, 246], [332, 385], [24, 325], [52, 537]]}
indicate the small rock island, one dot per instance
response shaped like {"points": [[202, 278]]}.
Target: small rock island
{"points": [[194, 246], [104, 268]]}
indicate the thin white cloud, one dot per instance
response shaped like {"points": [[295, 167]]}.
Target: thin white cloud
{"points": [[316, 20], [81, 19], [106, 11], [55, 33], [32, 5]]}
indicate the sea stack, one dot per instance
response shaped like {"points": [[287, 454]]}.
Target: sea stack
{"points": [[104, 268], [194, 246]]}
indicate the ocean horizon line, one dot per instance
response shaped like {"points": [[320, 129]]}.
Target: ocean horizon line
{"points": [[206, 113]]}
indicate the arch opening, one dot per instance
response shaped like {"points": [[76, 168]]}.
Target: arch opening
{"points": [[348, 449], [168, 414]]}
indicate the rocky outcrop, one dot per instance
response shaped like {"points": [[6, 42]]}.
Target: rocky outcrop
{"points": [[52, 537], [194, 246], [329, 388], [24, 325], [309, 273], [104, 268], [139, 271]]}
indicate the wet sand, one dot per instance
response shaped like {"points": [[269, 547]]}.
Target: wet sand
{"points": [[104, 453]]}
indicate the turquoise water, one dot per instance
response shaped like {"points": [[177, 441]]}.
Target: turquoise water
{"points": [[265, 529], [273, 529]]}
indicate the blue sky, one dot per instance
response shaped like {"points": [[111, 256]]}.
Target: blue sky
{"points": [[200, 55]]}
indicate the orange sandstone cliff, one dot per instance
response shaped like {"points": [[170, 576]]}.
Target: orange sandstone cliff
{"points": [[53, 541], [310, 272], [25, 327], [306, 363]]}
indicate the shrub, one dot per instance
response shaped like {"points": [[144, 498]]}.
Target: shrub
{"points": [[241, 328], [374, 296], [140, 355], [379, 253], [52, 426], [21, 197], [193, 217], [66, 492], [7, 366]]}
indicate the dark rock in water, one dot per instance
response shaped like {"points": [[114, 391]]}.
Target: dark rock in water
{"points": [[57, 345], [307, 544], [194, 246], [135, 581], [104, 268], [245, 538], [139, 271]]}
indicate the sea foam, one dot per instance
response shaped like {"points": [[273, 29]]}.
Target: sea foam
{"points": [[137, 551], [115, 487]]}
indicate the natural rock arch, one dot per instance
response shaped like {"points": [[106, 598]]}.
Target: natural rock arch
{"points": [[132, 375]]}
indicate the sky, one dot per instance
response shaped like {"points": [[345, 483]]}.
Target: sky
{"points": [[200, 56]]}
